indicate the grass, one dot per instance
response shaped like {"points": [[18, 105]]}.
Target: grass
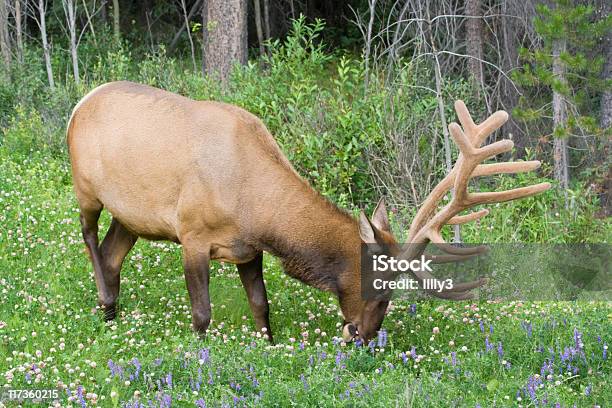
{"points": [[432, 353]]}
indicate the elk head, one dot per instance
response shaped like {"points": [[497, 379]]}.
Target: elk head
{"points": [[429, 220]]}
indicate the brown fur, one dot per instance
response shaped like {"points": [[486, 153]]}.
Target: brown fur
{"points": [[210, 176]]}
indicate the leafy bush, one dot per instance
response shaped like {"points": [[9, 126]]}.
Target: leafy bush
{"points": [[353, 144]]}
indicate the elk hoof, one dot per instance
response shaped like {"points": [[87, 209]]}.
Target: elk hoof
{"points": [[110, 311]]}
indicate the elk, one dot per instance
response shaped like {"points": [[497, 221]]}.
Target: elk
{"points": [[209, 176]]}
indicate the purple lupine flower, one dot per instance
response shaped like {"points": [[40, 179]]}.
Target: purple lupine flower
{"points": [[587, 390], [413, 308], [382, 338], [371, 345], [481, 326], [166, 401], [339, 358], [310, 360], [488, 344], [404, 357], [605, 351], [453, 358], [500, 350], [303, 379], [169, 380], [138, 366], [157, 362], [528, 327], [199, 380], [204, 355], [491, 328], [413, 353], [210, 378], [80, 396], [578, 340], [301, 346], [200, 403]]}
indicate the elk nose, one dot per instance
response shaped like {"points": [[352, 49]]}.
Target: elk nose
{"points": [[349, 332]]}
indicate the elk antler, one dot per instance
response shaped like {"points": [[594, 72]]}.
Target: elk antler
{"points": [[427, 223]]}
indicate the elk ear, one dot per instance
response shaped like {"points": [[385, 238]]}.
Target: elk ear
{"points": [[380, 217], [366, 229]]}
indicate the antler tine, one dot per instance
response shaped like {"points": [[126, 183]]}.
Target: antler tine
{"points": [[427, 223]]}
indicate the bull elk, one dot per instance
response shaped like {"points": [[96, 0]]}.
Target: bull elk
{"points": [[211, 177]]}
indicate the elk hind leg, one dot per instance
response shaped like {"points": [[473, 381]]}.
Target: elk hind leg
{"points": [[90, 213]]}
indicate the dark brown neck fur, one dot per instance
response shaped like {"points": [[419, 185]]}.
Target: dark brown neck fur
{"points": [[315, 240]]}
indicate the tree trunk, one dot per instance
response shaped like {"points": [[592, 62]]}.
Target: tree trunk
{"points": [[606, 120], [560, 117], [473, 40], [46, 48], [116, 25], [225, 36], [266, 15], [5, 47], [104, 13], [258, 26], [606, 99], [70, 12], [509, 92], [18, 31]]}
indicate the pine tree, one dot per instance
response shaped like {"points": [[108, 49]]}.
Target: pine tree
{"points": [[563, 78]]}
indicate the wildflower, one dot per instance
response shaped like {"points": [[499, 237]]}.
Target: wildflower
{"points": [[488, 344], [303, 379], [382, 338]]}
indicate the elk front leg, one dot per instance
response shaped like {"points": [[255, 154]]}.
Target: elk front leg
{"points": [[196, 267], [251, 275], [115, 246]]}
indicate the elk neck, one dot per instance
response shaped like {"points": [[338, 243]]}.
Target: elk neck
{"points": [[317, 242]]}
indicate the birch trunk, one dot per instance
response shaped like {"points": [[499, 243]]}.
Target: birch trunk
{"points": [[70, 12], [46, 48], [18, 31]]}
